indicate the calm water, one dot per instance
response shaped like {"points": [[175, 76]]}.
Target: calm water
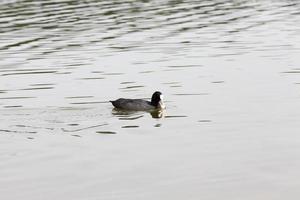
{"points": [[230, 74]]}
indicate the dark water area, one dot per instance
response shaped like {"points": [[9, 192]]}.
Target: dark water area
{"points": [[230, 74]]}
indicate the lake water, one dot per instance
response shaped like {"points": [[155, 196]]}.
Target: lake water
{"points": [[230, 74]]}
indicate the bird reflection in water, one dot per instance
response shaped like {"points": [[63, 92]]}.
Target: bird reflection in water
{"points": [[158, 113], [133, 115]]}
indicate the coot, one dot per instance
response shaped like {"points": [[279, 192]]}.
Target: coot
{"points": [[140, 104]]}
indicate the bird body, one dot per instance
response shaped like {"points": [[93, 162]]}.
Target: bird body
{"points": [[140, 104], [132, 104]]}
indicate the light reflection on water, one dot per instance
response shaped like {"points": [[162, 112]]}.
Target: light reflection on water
{"points": [[229, 71]]}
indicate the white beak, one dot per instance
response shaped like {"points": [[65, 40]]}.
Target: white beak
{"points": [[161, 97]]}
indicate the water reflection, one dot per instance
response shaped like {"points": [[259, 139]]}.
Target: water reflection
{"points": [[113, 22], [106, 132], [84, 128], [130, 126], [158, 113], [133, 115]]}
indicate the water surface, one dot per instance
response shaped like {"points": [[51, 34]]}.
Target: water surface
{"points": [[230, 73]]}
